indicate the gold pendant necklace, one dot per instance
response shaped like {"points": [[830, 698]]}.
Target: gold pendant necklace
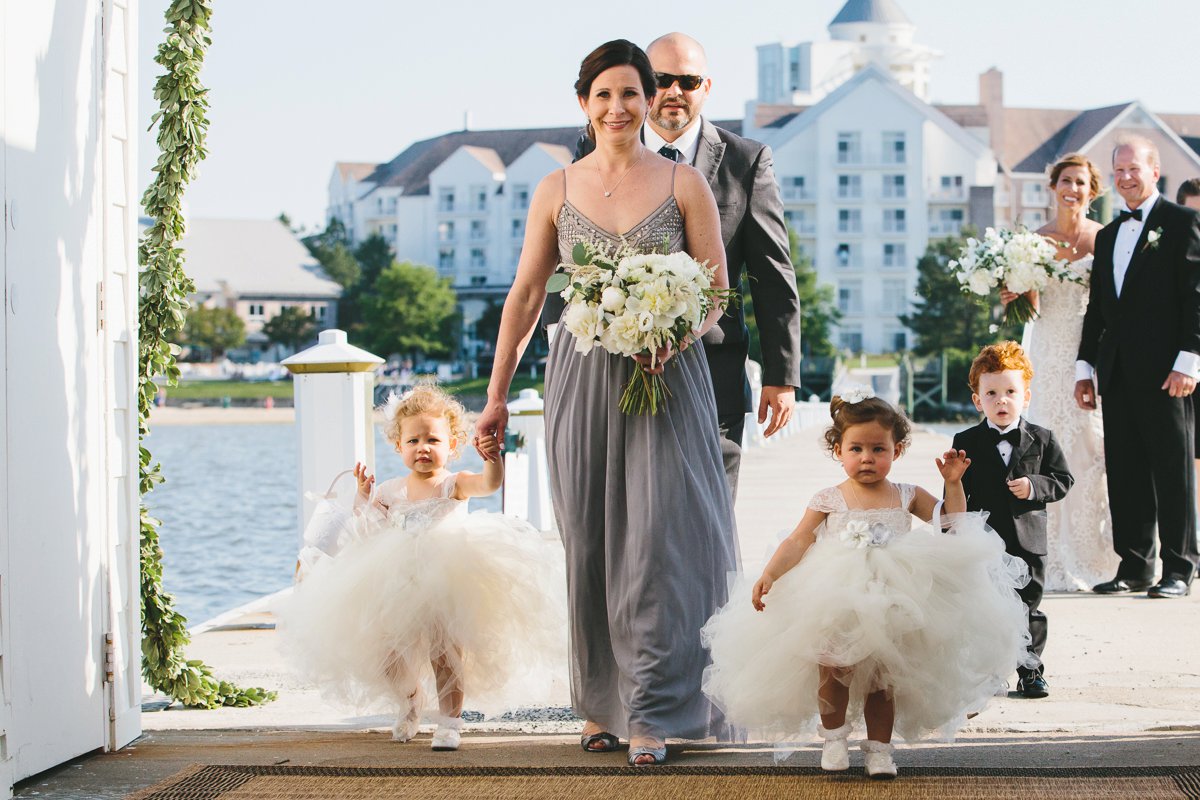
{"points": [[608, 192]]}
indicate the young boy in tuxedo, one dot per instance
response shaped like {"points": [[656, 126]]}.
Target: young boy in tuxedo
{"points": [[1016, 469]]}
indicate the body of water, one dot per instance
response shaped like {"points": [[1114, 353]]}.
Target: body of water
{"points": [[229, 509]]}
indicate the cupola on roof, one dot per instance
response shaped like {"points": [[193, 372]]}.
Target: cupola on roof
{"points": [[882, 11]]}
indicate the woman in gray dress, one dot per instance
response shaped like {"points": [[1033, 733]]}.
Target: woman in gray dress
{"points": [[641, 501]]}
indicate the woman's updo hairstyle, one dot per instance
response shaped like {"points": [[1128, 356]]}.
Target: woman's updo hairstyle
{"points": [[871, 409], [1095, 187], [617, 53]]}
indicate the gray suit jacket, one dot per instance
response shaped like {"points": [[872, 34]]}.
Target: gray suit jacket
{"points": [[742, 176]]}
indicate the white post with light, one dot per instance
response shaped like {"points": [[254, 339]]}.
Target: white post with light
{"points": [[334, 385], [526, 476]]}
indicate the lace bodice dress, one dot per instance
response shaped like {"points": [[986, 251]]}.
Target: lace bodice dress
{"points": [[1079, 530], [645, 516]]}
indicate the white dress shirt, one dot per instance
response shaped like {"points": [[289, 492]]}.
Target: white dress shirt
{"points": [[1005, 449], [1128, 234], [688, 144]]}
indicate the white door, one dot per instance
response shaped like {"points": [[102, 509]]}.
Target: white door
{"points": [[55, 454]]}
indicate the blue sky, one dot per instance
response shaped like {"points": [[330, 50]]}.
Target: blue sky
{"points": [[296, 86]]}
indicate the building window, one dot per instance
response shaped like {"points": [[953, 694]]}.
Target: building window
{"points": [[799, 222], [518, 227], [949, 222], [319, 312], [478, 280], [445, 199], [849, 187], [893, 254], [793, 188], [899, 341], [894, 148], [255, 310], [445, 231], [478, 229], [952, 185], [850, 339], [894, 187], [520, 197], [479, 196], [446, 258], [850, 297], [477, 257], [392, 230], [894, 220], [1033, 194], [845, 256], [895, 300], [849, 220], [849, 148], [1033, 219]]}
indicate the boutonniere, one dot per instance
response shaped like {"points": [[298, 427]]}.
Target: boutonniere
{"points": [[1153, 238]]}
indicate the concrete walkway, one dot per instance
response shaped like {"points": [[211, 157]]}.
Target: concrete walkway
{"points": [[1124, 675]]}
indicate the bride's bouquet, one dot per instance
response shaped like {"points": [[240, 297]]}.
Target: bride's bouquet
{"points": [[1019, 261], [631, 303]]}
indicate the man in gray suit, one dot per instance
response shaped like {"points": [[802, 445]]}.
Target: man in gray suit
{"points": [[742, 177]]}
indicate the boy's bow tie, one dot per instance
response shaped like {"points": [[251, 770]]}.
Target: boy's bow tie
{"points": [[1012, 437]]}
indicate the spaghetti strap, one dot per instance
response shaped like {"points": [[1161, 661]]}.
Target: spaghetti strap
{"points": [[674, 168]]}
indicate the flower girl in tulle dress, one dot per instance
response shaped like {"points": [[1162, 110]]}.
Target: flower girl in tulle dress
{"points": [[912, 627], [423, 598]]}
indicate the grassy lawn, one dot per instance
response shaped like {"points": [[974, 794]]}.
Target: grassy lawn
{"points": [[235, 390], [478, 386]]}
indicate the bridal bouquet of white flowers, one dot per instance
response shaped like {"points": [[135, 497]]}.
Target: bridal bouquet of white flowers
{"points": [[1019, 261], [632, 303]]}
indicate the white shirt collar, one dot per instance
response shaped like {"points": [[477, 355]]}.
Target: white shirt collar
{"points": [[1011, 427], [1147, 204], [687, 144]]}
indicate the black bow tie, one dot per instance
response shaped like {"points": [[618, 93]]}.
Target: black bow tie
{"points": [[1124, 215], [1012, 437], [667, 151]]}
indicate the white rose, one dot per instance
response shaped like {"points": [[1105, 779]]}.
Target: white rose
{"points": [[980, 282], [612, 299], [586, 324]]}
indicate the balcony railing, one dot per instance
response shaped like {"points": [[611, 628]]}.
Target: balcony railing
{"points": [[945, 228], [798, 193], [955, 194]]}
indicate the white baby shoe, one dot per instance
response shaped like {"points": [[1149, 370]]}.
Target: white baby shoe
{"points": [[835, 755], [447, 735], [408, 720], [878, 760]]}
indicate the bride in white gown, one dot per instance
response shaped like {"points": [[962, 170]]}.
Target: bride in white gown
{"points": [[1079, 530]]}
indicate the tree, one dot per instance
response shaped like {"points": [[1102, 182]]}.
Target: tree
{"points": [[818, 312], [945, 317], [374, 255], [409, 310], [291, 327], [340, 265], [213, 329]]}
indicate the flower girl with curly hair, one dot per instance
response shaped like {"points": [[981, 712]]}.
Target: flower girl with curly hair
{"points": [[423, 599], [914, 628]]}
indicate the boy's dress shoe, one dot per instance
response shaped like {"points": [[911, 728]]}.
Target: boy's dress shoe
{"points": [[1033, 686], [1121, 586], [1170, 587]]}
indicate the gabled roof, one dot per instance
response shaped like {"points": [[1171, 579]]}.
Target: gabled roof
{"points": [[355, 170], [410, 170], [251, 257], [885, 11], [487, 157], [1070, 138], [876, 73]]}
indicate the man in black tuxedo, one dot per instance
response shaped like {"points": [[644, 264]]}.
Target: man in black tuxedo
{"points": [[742, 176], [1141, 340], [1016, 469]]}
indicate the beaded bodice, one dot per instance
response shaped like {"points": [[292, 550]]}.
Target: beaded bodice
{"points": [[862, 527], [661, 231], [419, 515]]}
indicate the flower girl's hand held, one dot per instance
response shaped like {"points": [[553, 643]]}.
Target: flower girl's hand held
{"points": [[365, 482], [761, 588], [952, 465]]}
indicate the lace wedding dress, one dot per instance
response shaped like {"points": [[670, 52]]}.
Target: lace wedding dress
{"points": [[1079, 530]]}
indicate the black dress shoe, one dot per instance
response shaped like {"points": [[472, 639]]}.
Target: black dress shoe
{"points": [[1033, 686], [1121, 586], [1170, 587]]}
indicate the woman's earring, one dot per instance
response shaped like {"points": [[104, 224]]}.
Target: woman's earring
{"points": [[591, 134]]}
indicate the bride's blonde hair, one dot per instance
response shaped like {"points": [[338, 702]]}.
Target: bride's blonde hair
{"points": [[425, 398]]}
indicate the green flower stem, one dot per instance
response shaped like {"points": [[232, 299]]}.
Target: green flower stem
{"points": [[164, 287]]}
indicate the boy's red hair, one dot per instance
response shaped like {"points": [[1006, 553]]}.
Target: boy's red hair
{"points": [[1000, 358]]}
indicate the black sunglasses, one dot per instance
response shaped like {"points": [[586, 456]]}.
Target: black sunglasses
{"points": [[689, 83]]}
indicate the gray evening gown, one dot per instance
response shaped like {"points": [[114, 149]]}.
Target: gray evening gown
{"points": [[646, 521]]}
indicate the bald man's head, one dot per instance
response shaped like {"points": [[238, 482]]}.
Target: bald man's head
{"points": [[681, 60]]}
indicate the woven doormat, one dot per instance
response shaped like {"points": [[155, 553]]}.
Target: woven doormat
{"points": [[221, 782]]}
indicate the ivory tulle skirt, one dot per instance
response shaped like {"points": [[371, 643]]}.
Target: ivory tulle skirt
{"points": [[931, 617]]}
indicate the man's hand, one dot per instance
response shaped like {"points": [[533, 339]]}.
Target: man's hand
{"points": [[1085, 394], [1179, 385], [780, 400]]}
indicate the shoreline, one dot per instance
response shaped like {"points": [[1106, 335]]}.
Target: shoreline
{"points": [[213, 415]]}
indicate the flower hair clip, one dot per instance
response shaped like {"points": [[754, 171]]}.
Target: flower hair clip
{"points": [[856, 394], [392, 404]]}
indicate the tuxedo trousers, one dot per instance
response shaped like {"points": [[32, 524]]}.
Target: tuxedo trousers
{"points": [[1148, 454], [1031, 595]]}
